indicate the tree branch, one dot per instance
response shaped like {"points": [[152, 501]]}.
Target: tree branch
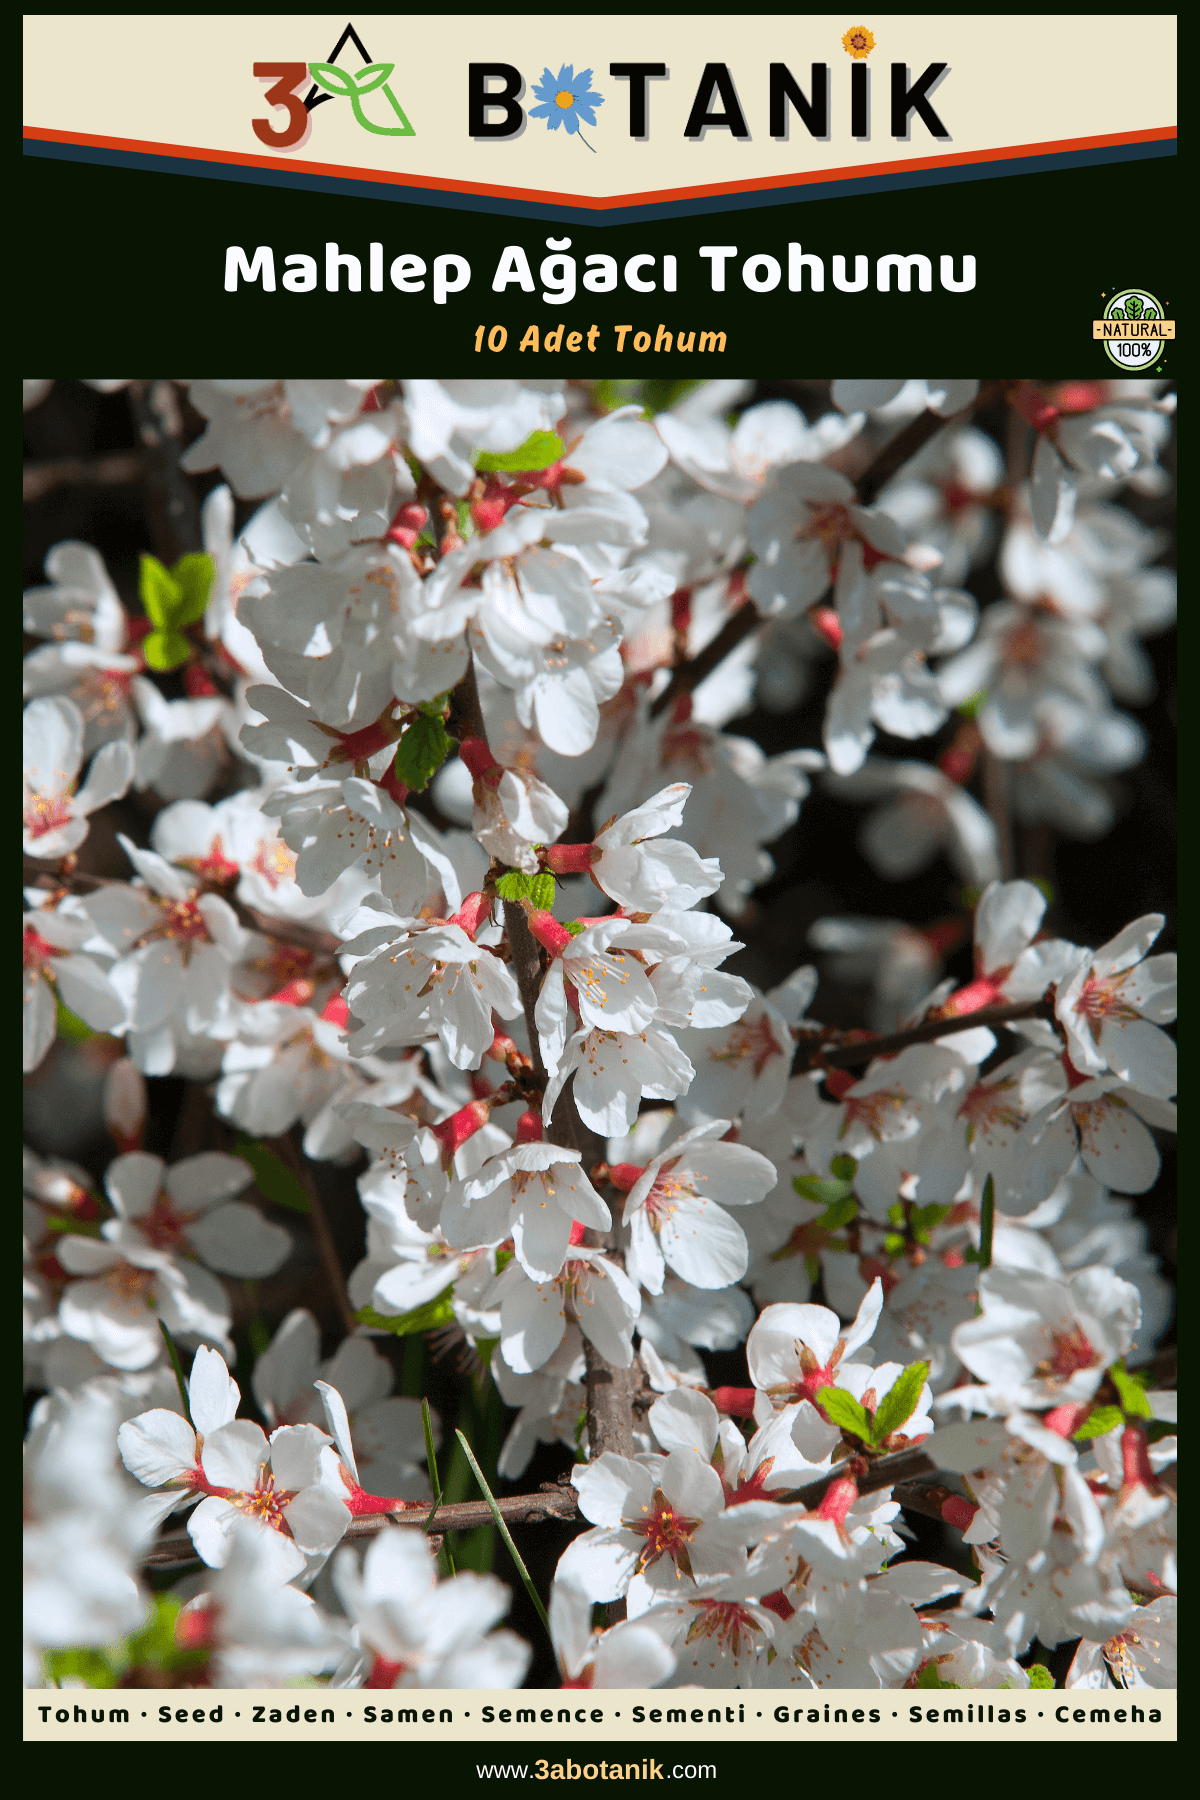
{"points": [[813, 1052], [171, 508], [125, 468], [904, 446], [689, 675]]}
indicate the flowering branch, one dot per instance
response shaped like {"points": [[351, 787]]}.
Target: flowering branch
{"points": [[552, 1502]]}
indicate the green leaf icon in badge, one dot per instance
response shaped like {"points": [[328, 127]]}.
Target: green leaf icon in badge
{"points": [[346, 86]]}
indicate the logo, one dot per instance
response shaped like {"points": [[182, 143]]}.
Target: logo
{"points": [[331, 81], [1133, 329]]}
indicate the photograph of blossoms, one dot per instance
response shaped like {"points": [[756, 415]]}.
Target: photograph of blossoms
{"points": [[598, 1034]]}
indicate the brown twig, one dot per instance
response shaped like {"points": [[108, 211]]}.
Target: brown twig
{"points": [[905, 445], [689, 675], [465, 718], [125, 468], [815, 1053], [322, 1236], [558, 1503], [171, 509]]}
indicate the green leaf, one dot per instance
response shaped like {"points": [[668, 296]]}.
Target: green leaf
{"points": [[1039, 1676], [1100, 1422], [900, 1402], [822, 1193], [1130, 1391], [72, 1027], [923, 1219], [538, 451], [893, 1243], [159, 594], [272, 1177], [91, 1667], [928, 1677], [842, 1212], [515, 886], [421, 1318], [541, 890], [843, 1168], [166, 650], [971, 709], [987, 1224], [573, 927], [422, 751], [193, 578], [843, 1410]]}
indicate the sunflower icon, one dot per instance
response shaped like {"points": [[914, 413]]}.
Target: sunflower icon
{"points": [[858, 42], [567, 98]]}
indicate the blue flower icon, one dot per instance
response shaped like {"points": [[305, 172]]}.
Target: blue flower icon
{"points": [[566, 99]]}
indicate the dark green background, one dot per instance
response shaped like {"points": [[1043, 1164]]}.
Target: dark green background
{"points": [[130, 264]]}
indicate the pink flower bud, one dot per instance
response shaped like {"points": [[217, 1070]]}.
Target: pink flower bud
{"points": [[625, 1175], [407, 525], [336, 1011], [737, 1402], [529, 1128]]}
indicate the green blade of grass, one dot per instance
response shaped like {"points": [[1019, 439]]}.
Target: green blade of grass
{"points": [[180, 1383], [505, 1533]]}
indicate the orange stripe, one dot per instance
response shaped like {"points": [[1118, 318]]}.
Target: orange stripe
{"points": [[546, 197]]}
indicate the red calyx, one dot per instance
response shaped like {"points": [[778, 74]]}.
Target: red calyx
{"points": [[478, 757], [984, 991], [625, 1175], [571, 859], [336, 1011], [1065, 1420], [1135, 1459], [1035, 409], [958, 1512], [453, 1132], [547, 930], [827, 625], [198, 684], [577, 1230], [837, 1500], [1074, 1078], [294, 993], [392, 786], [778, 1603], [469, 917]]}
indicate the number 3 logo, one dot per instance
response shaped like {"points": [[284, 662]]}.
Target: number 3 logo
{"points": [[283, 94]]}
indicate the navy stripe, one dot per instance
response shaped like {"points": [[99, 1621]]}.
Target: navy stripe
{"points": [[627, 215]]}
